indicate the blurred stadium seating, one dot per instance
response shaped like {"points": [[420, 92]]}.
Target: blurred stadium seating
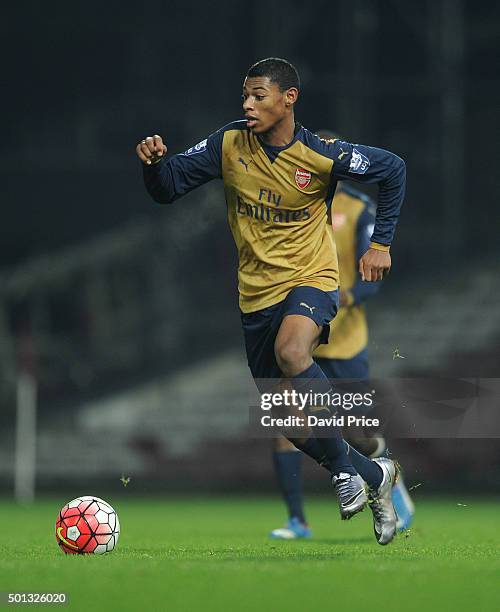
{"points": [[138, 375], [114, 304]]}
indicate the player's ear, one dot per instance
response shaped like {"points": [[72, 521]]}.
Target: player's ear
{"points": [[291, 96]]}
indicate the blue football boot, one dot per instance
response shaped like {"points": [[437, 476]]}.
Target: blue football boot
{"points": [[293, 530], [405, 509]]}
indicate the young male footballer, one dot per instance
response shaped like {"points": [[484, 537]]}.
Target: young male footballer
{"points": [[279, 180], [351, 218]]}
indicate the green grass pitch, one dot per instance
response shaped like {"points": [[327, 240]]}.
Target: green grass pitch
{"points": [[213, 554]]}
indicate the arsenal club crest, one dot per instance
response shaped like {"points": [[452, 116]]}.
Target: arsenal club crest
{"points": [[302, 178]]}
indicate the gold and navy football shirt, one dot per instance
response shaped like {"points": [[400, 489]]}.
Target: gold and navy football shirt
{"points": [[277, 202]]}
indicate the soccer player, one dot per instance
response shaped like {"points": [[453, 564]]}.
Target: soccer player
{"points": [[352, 216], [279, 181]]}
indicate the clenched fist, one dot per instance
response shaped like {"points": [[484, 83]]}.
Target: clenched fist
{"points": [[151, 150], [374, 265]]}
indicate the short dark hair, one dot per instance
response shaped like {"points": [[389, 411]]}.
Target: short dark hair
{"points": [[278, 71]]}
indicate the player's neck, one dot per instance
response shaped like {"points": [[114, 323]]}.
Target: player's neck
{"points": [[281, 134]]}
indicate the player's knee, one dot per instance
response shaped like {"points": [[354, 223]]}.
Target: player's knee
{"points": [[292, 358]]}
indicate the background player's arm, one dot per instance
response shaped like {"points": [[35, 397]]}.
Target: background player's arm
{"points": [[365, 164], [169, 179], [362, 290]]}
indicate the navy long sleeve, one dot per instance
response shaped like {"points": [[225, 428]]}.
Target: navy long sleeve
{"points": [[366, 164], [179, 174]]}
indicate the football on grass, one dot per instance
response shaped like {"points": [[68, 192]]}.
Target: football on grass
{"points": [[87, 525]]}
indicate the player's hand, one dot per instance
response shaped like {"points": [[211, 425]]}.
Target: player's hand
{"points": [[374, 265], [151, 150]]}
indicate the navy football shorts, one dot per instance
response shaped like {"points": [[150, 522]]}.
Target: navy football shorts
{"points": [[260, 328]]}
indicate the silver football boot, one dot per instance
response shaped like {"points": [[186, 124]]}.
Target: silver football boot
{"points": [[351, 493], [380, 502]]}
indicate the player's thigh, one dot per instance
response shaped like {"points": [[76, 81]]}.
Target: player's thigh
{"points": [[306, 313], [297, 335]]}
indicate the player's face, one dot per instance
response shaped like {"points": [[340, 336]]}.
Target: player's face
{"points": [[264, 104]]}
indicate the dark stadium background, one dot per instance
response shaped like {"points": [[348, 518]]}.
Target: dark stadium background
{"points": [[126, 313]]}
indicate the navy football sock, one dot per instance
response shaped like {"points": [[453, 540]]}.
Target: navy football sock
{"points": [[314, 379], [287, 465], [369, 471]]}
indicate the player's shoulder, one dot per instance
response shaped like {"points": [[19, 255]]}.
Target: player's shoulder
{"points": [[367, 203], [238, 125], [330, 147], [233, 136], [213, 142], [233, 126]]}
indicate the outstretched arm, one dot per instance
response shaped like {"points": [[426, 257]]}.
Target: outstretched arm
{"points": [[169, 179]]}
